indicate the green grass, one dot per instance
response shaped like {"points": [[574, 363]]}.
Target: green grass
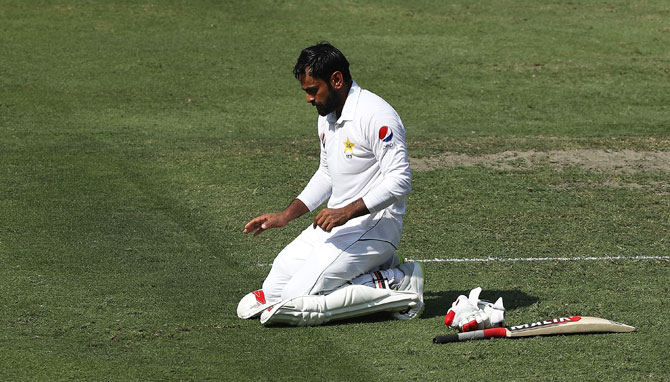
{"points": [[138, 139]]}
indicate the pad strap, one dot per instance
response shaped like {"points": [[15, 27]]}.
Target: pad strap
{"points": [[380, 281]]}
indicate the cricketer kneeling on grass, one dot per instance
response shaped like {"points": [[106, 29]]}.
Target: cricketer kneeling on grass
{"points": [[345, 263]]}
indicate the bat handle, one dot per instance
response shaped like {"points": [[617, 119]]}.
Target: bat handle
{"points": [[458, 337], [473, 335], [446, 339]]}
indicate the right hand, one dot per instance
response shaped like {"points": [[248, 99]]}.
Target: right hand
{"points": [[265, 222]]}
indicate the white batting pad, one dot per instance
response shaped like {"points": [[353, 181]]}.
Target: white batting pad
{"points": [[346, 302]]}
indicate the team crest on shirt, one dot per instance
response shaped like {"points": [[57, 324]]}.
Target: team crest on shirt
{"points": [[349, 149], [386, 136], [323, 140]]}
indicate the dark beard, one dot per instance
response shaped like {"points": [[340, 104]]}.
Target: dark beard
{"points": [[330, 105]]}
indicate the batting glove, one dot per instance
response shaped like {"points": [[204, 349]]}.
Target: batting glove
{"points": [[471, 313]]}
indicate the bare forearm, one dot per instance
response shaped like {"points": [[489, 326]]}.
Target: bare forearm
{"points": [[356, 209], [294, 210]]}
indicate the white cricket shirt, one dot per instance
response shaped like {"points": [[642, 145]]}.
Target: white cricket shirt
{"points": [[363, 155]]}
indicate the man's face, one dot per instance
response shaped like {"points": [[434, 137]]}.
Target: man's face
{"points": [[319, 93]]}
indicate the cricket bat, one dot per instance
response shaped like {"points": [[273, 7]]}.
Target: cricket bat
{"points": [[556, 326]]}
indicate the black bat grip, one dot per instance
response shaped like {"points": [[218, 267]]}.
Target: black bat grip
{"points": [[446, 339]]}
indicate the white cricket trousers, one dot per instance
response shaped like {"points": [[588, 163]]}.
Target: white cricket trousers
{"points": [[318, 261]]}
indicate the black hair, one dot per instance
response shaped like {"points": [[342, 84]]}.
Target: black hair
{"points": [[322, 60]]}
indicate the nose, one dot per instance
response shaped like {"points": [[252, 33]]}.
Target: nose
{"points": [[309, 98]]}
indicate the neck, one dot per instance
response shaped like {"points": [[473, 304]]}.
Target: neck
{"points": [[342, 93]]}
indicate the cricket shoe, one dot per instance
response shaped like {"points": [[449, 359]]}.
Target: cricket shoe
{"points": [[412, 282], [253, 304]]}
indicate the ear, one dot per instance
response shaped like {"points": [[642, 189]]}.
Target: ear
{"points": [[336, 80]]}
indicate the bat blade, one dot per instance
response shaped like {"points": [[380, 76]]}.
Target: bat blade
{"points": [[556, 326], [569, 325]]}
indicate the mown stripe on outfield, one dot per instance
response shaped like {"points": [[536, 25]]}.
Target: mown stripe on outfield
{"points": [[518, 259]]}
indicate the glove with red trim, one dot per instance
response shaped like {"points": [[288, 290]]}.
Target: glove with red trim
{"points": [[471, 313]]}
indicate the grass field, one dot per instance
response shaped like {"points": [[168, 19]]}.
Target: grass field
{"points": [[137, 139]]}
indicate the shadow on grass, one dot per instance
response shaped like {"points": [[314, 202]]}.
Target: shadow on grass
{"points": [[366, 319], [437, 303]]}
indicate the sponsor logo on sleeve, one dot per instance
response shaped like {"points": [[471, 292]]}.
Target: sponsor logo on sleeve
{"points": [[386, 136]]}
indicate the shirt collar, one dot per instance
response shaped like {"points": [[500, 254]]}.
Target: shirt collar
{"points": [[349, 106]]}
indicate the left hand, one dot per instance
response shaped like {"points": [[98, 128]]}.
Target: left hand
{"points": [[329, 218]]}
